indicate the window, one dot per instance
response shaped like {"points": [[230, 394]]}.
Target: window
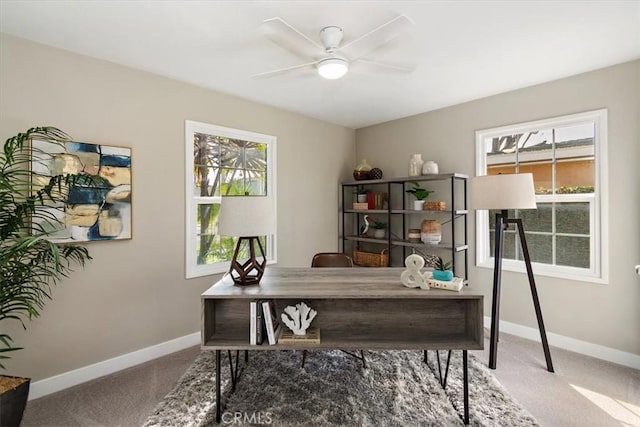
{"points": [[222, 162], [567, 157]]}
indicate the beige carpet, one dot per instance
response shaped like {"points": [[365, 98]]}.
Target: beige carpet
{"points": [[127, 398]]}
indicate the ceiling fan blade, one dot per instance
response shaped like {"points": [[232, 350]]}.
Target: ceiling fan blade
{"points": [[289, 38], [390, 67], [375, 38], [283, 70]]}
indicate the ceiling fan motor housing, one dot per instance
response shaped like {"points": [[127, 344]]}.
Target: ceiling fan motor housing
{"points": [[331, 37]]}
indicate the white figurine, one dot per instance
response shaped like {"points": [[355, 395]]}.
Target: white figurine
{"points": [[365, 228], [299, 318], [411, 277]]}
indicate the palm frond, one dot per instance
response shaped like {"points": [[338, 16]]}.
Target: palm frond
{"points": [[30, 263]]}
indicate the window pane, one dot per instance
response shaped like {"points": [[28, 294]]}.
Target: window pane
{"points": [[207, 218], [206, 181], [574, 152], [575, 176], [232, 182], [206, 246], [255, 156], [256, 183], [578, 135], [572, 251], [206, 161], [509, 247], [231, 153], [537, 219], [534, 145], [542, 176], [572, 218], [212, 249], [540, 248]]}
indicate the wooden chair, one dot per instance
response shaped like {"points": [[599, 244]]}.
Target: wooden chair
{"points": [[334, 259], [331, 259]]}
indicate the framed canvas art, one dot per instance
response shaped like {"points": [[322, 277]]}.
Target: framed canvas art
{"points": [[98, 208]]}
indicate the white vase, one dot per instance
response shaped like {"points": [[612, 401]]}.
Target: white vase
{"points": [[430, 168], [415, 165], [418, 204], [378, 233], [362, 198]]}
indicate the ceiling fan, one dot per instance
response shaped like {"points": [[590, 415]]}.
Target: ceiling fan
{"points": [[330, 58]]}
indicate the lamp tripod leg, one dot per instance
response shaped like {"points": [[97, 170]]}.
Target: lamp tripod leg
{"points": [[534, 296], [497, 279]]}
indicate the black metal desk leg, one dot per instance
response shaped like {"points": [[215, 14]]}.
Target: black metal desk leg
{"points": [[465, 380], [218, 403]]}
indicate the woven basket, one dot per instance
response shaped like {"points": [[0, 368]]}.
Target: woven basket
{"points": [[371, 259], [434, 206]]}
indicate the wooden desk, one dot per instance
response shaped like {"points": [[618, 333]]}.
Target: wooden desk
{"points": [[363, 308]]}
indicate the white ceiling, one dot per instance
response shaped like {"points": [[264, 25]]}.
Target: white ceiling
{"points": [[464, 50]]}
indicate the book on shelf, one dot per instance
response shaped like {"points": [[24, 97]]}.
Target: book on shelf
{"points": [[256, 333], [311, 337], [270, 315], [376, 200], [253, 307]]}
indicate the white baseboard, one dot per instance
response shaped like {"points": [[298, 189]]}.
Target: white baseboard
{"points": [[594, 350], [77, 376], [106, 367]]}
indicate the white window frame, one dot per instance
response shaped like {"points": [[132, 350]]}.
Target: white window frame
{"points": [[192, 202], [598, 202]]}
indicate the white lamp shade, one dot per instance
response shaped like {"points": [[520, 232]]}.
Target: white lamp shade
{"points": [[507, 191], [246, 216], [333, 68]]}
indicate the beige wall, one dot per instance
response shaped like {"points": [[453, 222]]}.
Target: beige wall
{"points": [[134, 294], [608, 315]]}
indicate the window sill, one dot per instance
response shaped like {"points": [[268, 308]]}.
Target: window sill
{"points": [[565, 273]]}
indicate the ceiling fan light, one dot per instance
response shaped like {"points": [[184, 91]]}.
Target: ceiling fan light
{"points": [[333, 68]]}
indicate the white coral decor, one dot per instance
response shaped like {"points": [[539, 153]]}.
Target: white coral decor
{"points": [[298, 318]]}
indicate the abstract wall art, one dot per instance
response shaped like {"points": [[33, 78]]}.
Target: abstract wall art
{"points": [[94, 209]]}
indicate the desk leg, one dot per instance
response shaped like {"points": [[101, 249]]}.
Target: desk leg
{"points": [[218, 403], [465, 380]]}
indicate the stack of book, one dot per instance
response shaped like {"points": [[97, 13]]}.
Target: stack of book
{"points": [[264, 322], [376, 200], [453, 285]]}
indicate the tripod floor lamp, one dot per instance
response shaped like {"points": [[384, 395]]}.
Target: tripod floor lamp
{"points": [[504, 192]]}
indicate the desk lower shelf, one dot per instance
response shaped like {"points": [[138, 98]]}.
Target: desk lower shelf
{"points": [[364, 323], [330, 344]]}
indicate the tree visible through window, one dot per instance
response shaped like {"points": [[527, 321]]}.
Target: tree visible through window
{"points": [[562, 155], [222, 165]]}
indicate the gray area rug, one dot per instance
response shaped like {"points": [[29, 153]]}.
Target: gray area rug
{"points": [[397, 389]]}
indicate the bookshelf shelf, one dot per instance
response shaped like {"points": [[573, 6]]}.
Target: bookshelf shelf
{"points": [[450, 188]]}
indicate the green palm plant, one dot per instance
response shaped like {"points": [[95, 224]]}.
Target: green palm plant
{"points": [[29, 261], [418, 192]]}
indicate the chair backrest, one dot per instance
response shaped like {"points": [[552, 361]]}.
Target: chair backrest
{"points": [[331, 259]]}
